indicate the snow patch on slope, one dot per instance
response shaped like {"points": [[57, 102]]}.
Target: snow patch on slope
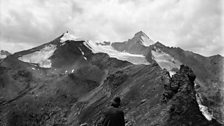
{"points": [[3, 56], [165, 60], [40, 57], [203, 109], [67, 36], [146, 41], [81, 51], [98, 48]]}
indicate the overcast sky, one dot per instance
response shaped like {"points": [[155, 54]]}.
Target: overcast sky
{"points": [[193, 25]]}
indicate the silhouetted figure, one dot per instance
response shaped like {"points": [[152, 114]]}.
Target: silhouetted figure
{"points": [[113, 116]]}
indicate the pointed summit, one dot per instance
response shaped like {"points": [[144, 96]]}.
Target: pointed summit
{"points": [[68, 36], [139, 34], [143, 38]]}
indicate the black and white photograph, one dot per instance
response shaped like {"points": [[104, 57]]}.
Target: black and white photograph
{"points": [[111, 62]]}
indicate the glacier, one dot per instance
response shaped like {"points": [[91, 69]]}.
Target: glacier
{"points": [[108, 49], [40, 57]]}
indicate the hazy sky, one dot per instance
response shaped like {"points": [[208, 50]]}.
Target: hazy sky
{"points": [[193, 25]]}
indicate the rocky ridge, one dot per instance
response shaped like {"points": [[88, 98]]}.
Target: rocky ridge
{"points": [[80, 80]]}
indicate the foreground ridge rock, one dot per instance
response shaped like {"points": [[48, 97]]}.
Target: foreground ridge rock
{"points": [[179, 94], [141, 104], [184, 77]]}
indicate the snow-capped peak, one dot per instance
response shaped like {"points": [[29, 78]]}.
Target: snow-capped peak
{"points": [[145, 40], [139, 34], [68, 36]]}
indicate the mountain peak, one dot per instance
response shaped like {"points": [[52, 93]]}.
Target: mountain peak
{"points": [[4, 54], [68, 36], [144, 39], [140, 33]]}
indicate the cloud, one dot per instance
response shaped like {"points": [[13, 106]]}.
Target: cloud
{"points": [[189, 24], [32, 22]]}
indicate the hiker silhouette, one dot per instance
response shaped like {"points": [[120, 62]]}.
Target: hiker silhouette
{"points": [[113, 116]]}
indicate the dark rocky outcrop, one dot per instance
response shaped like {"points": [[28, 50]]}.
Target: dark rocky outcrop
{"points": [[149, 97], [209, 72], [183, 77], [180, 94]]}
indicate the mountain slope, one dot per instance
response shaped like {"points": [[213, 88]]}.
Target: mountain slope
{"points": [[70, 81], [209, 70], [39, 91], [156, 99], [137, 45]]}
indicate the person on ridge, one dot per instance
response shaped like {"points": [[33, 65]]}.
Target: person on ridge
{"points": [[113, 116]]}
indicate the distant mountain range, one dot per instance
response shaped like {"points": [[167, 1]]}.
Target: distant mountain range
{"points": [[69, 81]]}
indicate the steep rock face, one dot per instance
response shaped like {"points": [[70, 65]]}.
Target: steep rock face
{"points": [[180, 95], [73, 99], [184, 77], [80, 83], [32, 95], [209, 72], [135, 84], [137, 45], [178, 105], [151, 98]]}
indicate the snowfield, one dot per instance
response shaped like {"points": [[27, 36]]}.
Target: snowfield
{"points": [[2, 56], [165, 61], [101, 48], [40, 57], [67, 36], [98, 48], [203, 109]]}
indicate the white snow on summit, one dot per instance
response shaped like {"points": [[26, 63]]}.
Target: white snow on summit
{"points": [[40, 57], [146, 41], [133, 58], [165, 61], [67, 36]]}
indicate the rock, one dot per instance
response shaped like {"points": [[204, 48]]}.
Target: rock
{"points": [[181, 97]]}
